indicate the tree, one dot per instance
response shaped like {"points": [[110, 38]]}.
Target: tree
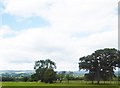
{"points": [[50, 64], [61, 76], [49, 76], [34, 77], [25, 79], [41, 68], [89, 77], [69, 76], [101, 63]]}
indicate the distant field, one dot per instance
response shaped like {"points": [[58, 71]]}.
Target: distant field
{"points": [[72, 84]]}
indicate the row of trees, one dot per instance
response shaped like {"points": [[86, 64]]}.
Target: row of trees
{"points": [[44, 72], [24, 79], [100, 64], [58, 76]]}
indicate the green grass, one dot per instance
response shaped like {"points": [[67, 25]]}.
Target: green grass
{"points": [[72, 84]]}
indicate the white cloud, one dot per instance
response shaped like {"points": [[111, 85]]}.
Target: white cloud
{"points": [[25, 8], [35, 44], [65, 40], [6, 31], [67, 15]]}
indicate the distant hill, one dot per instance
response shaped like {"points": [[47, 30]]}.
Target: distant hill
{"points": [[75, 73], [16, 71]]}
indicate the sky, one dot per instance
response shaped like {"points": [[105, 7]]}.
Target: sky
{"points": [[61, 30]]}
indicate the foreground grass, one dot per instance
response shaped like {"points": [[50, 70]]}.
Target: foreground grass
{"points": [[72, 84]]}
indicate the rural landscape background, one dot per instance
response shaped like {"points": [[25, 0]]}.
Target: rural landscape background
{"points": [[63, 43]]}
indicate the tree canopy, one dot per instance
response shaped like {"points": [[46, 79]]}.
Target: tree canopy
{"points": [[44, 71], [101, 63]]}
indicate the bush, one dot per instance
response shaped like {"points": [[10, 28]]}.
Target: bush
{"points": [[8, 79]]}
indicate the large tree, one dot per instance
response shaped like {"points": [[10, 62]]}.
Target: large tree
{"points": [[49, 76], [101, 63], [42, 67]]}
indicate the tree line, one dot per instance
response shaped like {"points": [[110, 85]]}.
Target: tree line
{"points": [[100, 66]]}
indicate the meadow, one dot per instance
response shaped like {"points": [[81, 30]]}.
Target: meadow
{"points": [[71, 84]]}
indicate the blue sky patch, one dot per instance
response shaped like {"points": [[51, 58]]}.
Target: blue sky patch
{"points": [[16, 25]]}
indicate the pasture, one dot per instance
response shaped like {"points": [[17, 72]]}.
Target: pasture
{"points": [[71, 84]]}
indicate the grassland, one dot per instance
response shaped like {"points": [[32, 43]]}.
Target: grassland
{"points": [[72, 84]]}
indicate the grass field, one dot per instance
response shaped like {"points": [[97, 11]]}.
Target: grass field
{"points": [[72, 84]]}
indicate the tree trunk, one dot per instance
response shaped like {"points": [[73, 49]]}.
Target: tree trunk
{"points": [[104, 81], [92, 81], [98, 81], [68, 81], [98, 76]]}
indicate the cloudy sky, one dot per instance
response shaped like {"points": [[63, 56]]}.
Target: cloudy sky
{"points": [[61, 30]]}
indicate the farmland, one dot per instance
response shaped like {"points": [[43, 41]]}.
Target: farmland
{"points": [[71, 84]]}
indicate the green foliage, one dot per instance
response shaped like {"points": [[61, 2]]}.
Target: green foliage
{"points": [[34, 77], [49, 76], [44, 71], [69, 76], [61, 76], [101, 64], [8, 79], [25, 79], [118, 78]]}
